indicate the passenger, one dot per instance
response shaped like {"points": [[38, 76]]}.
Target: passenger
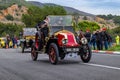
{"points": [[88, 36], [81, 34]]}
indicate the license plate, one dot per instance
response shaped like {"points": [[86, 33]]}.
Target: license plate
{"points": [[71, 55], [72, 49]]}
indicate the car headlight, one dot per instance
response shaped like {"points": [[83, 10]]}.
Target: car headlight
{"points": [[84, 40], [64, 41]]}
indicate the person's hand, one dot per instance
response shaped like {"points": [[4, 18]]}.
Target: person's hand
{"points": [[44, 25]]}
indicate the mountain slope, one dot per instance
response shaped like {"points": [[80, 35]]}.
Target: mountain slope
{"points": [[7, 3], [68, 9]]}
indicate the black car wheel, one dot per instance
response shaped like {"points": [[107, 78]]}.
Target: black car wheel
{"points": [[34, 54], [53, 53], [86, 55], [23, 47], [62, 56]]}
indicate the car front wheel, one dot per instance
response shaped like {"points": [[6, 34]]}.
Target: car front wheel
{"points": [[53, 53], [86, 55], [23, 47]]}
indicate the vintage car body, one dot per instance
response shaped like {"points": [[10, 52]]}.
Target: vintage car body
{"points": [[28, 38], [61, 41]]}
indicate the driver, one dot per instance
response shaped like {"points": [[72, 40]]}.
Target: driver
{"points": [[43, 31], [44, 26]]}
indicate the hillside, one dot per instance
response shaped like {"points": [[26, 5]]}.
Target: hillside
{"points": [[7, 3], [14, 11], [11, 11], [68, 9], [102, 22], [16, 8], [110, 17]]}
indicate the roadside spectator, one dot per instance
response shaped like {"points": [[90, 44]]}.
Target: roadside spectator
{"points": [[14, 40], [93, 40], [98, 40], [0, 44], [117, 38], [104, 36], [7, 41], [109, 40]]}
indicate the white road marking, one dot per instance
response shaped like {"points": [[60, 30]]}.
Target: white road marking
{"points": [[106, 54], [103, 66]]}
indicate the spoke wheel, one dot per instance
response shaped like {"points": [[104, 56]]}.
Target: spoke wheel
{"points": [[53, 53], [34, 54], [23, 47], [87, 55]]}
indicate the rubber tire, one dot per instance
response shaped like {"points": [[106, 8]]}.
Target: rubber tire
{"points": [[23, 48], [89, 56], [53, 45], [62, 56], [34, 58]]}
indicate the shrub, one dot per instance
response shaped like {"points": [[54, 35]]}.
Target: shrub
{"points": [[9, 17]]}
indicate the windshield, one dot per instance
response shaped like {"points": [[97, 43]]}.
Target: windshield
{"points": [[58, 23], [60, 20], [58, 28], [29, 31]]}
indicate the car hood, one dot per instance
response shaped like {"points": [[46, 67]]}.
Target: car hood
{"points": [[64, 34]]}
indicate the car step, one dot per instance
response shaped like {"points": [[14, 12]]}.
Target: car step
{"points": [[40, 52]]}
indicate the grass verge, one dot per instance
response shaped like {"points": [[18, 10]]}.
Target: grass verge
{"points": [[115, 48]]}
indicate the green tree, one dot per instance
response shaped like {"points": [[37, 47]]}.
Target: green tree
{"points": [[85, 18], [11, 29], [92, 26], [36, 14], [117, 19]]}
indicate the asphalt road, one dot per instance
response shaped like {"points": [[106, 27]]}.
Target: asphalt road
{"points": [[17, 66]]}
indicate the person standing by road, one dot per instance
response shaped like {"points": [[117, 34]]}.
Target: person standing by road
{"points": [[93, 40], [105, 38], [14, 41], [98, 40], [109, 40], [117, 38], [7, 41]]}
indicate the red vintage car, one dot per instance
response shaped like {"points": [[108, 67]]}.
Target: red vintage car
{"points": [[61, 41]]}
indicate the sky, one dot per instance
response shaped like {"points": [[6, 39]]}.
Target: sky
{"points": [[90, 6]]}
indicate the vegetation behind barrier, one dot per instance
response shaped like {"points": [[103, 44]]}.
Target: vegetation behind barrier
{"points": [[87, 25], [11, 29], [115, 48]]}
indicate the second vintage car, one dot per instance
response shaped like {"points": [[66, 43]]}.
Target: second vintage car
{"points": [[28, 38]]}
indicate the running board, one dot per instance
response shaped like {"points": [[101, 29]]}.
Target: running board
{"points": [[40, 52]]}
